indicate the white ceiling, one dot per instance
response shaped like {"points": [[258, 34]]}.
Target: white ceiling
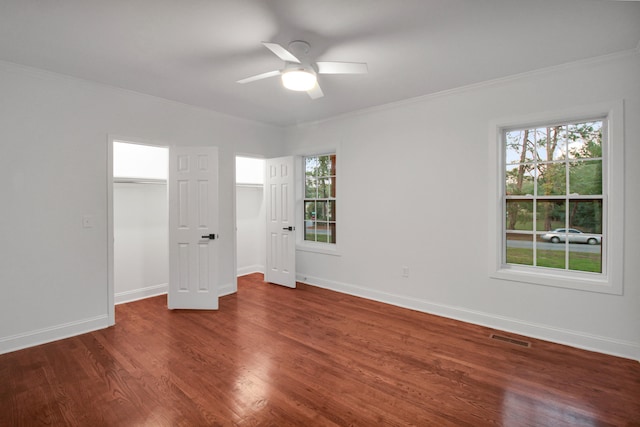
{"points": [[193, 51]]}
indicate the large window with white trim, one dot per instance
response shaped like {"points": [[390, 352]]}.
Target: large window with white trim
{"points": [[558, 216], [320, 179], [554, 201]]}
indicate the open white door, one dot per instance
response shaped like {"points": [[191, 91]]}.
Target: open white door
{"points": [[193, 224], [280, 207]]}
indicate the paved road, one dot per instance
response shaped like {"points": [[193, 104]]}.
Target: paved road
{"points": [[573, 247]]}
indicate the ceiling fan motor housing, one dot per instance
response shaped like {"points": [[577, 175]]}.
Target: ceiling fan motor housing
{"points": [[299, 48]]}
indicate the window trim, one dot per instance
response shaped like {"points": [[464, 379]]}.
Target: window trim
{"points": [[611, 280], [305, 245]]}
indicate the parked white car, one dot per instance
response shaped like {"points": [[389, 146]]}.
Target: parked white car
{"points": [[574, 236]]}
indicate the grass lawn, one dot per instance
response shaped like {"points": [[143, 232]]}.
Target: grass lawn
{"points": [[578, 261], [319, 238]]}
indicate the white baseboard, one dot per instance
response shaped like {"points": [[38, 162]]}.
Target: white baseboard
{"points": [[152, 291], [227, 289], [568, 337], [141, 293], [53, 333], [257, 268]]}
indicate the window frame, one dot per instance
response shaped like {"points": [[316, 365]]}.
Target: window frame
{"points": [[611, 279], [301, 243], [319, 201]]}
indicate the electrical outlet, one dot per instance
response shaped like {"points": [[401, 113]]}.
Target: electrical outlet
{"points": [[405, 271], [87, 221]]}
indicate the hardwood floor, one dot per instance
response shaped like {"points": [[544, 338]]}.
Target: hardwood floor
{"points": [[275, 356]]}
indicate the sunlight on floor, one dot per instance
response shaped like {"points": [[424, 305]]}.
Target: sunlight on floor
{"points": [[251, 390], [515, 404]]}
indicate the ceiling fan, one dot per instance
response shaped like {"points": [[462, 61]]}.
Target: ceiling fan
{"points": [[299, 73]]}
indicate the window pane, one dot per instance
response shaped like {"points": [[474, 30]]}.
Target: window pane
{"points": [[586, 216], [331, 210], [585, 258], [322, 228], [550, 214], [311, 166], [310, 231], [519, 180], [320, 231], [331, 233], [551, 255], [321, 209], [325, 188], [519, 146], [325, 167], [552, 179], [585, 140], [519, 215], [551, 143], [310, 188], [309, 210], [519, 249], [585, 177], [324, 211]]}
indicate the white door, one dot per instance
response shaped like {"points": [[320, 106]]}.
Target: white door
{"points": [[280, 207], [193, 228]]}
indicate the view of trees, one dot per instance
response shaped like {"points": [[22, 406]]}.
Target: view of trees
{"points": [[319, 202], [553, 179], [553, 166]]}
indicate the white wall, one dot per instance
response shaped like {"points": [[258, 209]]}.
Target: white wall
{"points": [[53, 168], [141, 240], [431, 155], [413, 190], [251, 221]]}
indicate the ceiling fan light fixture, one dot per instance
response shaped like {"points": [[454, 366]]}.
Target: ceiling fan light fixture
{"points": [[300, 80]]}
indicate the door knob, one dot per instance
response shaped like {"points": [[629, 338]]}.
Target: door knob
{"points": [[210, 236], [289, 228]]}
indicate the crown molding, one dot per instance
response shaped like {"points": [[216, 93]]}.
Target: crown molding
{"points": [[480, 85]]}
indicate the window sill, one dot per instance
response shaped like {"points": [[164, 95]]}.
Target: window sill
{"points": [[575, 280], [319, 248]]}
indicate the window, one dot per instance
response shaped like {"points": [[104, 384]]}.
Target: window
{"points": [[557, 211], [553, 196], [320, 198]]}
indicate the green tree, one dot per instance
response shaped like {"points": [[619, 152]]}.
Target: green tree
{"points": [[545, 151], [515, 178], [585, 176]]}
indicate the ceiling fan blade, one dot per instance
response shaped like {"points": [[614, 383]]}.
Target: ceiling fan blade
{"points": [[259, 77], [342, 68], [281, 52], [315, 92]]}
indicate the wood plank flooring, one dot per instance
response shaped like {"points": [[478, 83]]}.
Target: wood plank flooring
{"points": [[273, 356]]}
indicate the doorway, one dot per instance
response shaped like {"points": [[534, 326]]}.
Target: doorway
{"points": [[250, 215], [140, 221]]}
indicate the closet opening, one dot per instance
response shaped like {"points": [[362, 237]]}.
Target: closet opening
{"points": [[140, 221], [250, 215]]}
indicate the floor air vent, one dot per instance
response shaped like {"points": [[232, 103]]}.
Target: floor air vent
{"points": [[510, 340]]}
